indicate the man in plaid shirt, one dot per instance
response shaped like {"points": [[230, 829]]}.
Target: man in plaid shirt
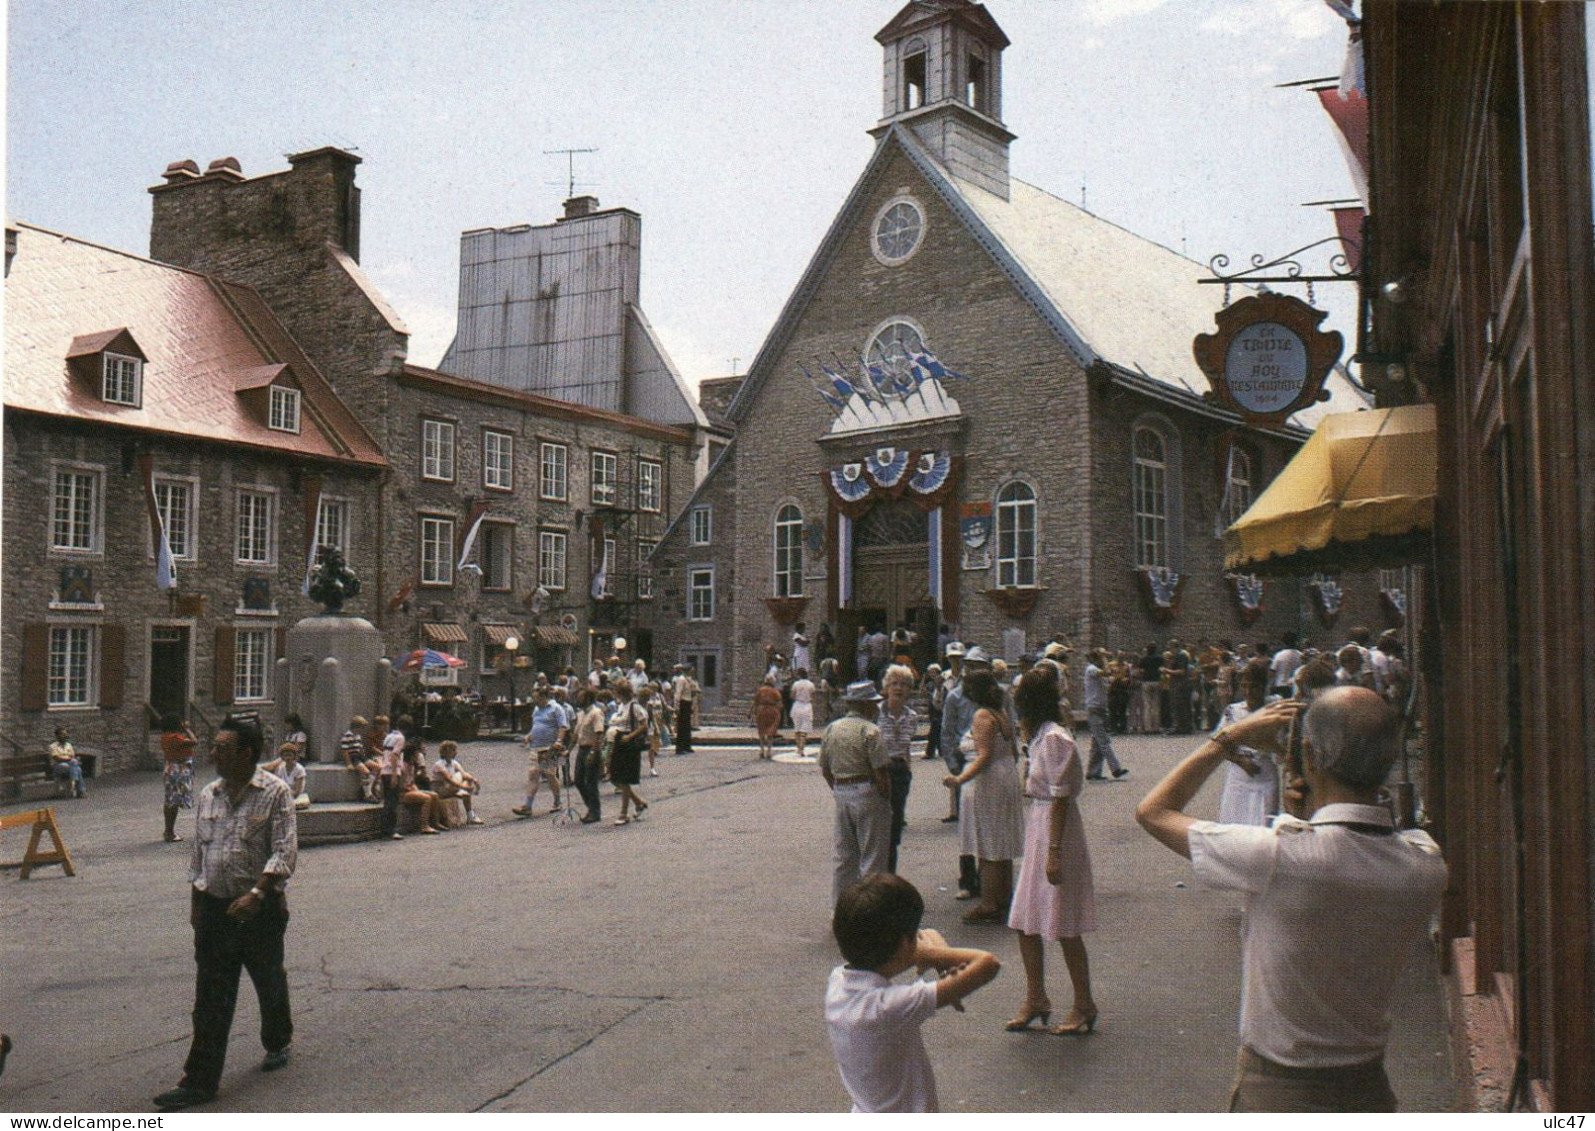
{"points": [[246, 844]]}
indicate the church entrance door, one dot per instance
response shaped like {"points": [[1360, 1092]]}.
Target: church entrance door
{"points": [[891, 574]]}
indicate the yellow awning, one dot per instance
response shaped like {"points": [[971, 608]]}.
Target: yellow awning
{"points": [[1358, 495]]}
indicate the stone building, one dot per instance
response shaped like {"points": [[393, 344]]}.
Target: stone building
{"points": [[141, 397], [547, 485], [979, 408]]}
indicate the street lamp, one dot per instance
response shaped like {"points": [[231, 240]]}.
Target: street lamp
{"points": [[511, 645]]}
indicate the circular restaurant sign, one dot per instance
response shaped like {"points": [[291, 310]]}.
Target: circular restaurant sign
{"points": [[1269, 358], [1265, 367]]}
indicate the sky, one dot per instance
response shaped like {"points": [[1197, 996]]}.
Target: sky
{"points": [[734, 127]]}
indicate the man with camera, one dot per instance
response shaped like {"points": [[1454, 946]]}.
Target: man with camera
{"points": [[1335, 900]]}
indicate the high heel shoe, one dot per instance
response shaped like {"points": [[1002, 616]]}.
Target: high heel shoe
{"points": [[1021, 1023], [1078, 1025]]}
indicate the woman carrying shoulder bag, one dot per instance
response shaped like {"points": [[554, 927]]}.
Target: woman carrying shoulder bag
{"points": [[625, 764]]}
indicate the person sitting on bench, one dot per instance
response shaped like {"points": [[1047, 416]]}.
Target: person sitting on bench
{"points": [[64, 765]]}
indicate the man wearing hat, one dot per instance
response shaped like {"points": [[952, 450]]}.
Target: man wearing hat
{"points": [[957, 716], [854, 763]]}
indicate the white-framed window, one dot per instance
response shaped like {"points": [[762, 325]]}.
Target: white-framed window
{"points": [[437, 550], [604, 470], [122, 379], [1238, 480], [498, 461], [1016, 535], [700, 593], [75, 511], [1151, 498], [284, 415], [174, 500], [609, 564], [332, 525], [702, 525], [254, 543], [252, 665], [645, 577], [496, 555], [899, 226], [554, 480], [650, 485], [71, 671], [789, 551], [551, 546], [437, 450]]}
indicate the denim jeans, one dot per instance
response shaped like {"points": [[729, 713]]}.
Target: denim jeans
{"points": [[1101, 744]]}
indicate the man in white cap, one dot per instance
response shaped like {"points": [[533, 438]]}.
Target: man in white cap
{"points": [[854, 764]]}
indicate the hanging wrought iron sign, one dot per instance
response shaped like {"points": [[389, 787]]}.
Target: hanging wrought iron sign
{"points": [[1268, 358]]}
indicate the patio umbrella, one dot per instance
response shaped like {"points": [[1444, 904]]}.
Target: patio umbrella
{"points": [[425, 658]]}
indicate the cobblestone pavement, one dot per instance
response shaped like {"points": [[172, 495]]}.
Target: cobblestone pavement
{"points": [[677, 963]]}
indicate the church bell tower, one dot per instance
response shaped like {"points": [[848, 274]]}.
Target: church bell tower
{"points": [[943, 83]]}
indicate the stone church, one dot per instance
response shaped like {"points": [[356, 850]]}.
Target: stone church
{"points": [[978, 409]]}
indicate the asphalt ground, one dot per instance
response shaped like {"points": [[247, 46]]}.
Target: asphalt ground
{"points": [[674, 964]]}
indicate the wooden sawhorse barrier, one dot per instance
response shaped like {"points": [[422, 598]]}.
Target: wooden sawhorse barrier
{"points": [[42, 821]]}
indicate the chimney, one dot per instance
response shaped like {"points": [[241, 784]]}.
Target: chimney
{"points": [[221, 167], [578, 206], [181, 171]]}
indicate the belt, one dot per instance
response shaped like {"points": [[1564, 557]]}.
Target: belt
{"points": [[1257, 1062], [857, 780]]}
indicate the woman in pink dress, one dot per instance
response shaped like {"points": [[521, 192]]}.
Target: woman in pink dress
{"points": [[1054, 897]]}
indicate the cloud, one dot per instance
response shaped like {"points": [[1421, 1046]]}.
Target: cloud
{"points": [[1104, 12], [1292, 19]]}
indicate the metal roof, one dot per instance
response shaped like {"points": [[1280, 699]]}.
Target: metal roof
{"points": [[200, 338]]}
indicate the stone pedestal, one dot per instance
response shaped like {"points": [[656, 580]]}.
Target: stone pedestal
{"points": [[334, 669]]}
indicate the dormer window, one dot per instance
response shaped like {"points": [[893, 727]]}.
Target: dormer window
{"points": [[122, 379], [111, 364], [284, 414]]}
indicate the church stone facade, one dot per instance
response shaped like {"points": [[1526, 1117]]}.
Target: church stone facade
{"points": [[978, 409]]}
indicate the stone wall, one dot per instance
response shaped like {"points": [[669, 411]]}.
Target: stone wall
{"points": [[125, 600]]}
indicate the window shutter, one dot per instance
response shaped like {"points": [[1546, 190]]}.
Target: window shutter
{"points": [[226, 646], [282, 643], [113, 664], [35, 666]]}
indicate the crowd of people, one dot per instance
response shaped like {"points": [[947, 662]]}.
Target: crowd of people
{"points": [[1015, 777]]}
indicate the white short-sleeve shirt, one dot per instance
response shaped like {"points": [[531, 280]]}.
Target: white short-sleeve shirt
{"points": [[1332, 914], [875, 1035]]}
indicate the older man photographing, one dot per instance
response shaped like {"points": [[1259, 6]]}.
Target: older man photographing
{"points": [[1334, 902]]}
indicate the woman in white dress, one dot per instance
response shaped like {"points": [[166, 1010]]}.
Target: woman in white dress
{"points": [[802, 710], [991, 823], [1249, 799]]}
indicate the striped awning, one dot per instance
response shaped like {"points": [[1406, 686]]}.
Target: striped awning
{"points": [[556, 635], [498, 633], [444, 633]]}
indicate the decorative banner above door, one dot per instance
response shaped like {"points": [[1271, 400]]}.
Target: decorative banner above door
{"points": [[925, 478]]}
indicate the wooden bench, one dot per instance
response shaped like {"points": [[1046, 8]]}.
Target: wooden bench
{"points": [[17, 770]]}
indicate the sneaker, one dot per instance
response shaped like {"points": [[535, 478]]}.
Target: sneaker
{"points": [[1121, 772], [653, 773], [473, 819], [964, 893], [275, 1060], [622, 820], [182, 1096], [397, 836]]}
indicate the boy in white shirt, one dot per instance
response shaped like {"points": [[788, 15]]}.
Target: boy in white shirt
{"points": [[874, 1024]]}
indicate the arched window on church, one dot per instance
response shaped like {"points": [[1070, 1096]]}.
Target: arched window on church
{"points": [[1238, 483], [789, 551], [1016, 535], [1151, 499]]}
